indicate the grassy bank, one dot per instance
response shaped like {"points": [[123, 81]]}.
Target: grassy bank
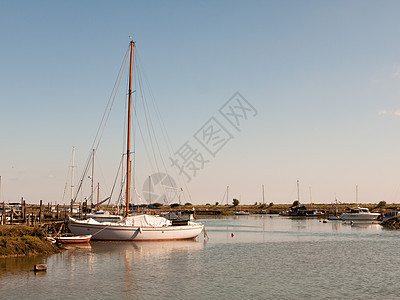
{"points": [[20, 240]]}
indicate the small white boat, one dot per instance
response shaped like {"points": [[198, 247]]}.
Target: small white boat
{"points": [[359, 214], [73, 239]]}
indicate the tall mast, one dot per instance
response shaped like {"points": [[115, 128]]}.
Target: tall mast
{"points": [[72, 174], [92, 186], [128, 144]]}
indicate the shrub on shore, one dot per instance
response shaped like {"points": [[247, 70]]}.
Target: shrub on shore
{"points": [[18, 240]]}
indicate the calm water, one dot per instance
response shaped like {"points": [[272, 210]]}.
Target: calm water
{"points": [[267, 258]]}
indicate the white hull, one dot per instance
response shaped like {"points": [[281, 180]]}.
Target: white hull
{"points": [[115, 232], [359, 217]]}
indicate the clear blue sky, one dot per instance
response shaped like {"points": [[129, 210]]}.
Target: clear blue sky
{"points": [[324, 77]]}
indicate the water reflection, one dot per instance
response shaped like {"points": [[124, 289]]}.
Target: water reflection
{"points": [[267, 258], [145, 249], [24, 263]]}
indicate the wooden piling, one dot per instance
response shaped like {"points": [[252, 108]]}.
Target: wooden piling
{"points": [[85, 209], [40, 211], [23, 204], [58, 212], [3, 215], [80, 210]]}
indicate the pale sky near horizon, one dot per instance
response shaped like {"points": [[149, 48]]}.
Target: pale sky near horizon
{"points": [[322, 79]]}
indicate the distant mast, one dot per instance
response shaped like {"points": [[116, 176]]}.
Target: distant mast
{"points": [[92, 185], [128, 144], [298, 192], [227, 194], [263, 194], [72, 174], [357, 195]]}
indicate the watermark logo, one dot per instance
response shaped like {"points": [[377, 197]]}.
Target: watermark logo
{"points": [[160, 188], [237, 110], [212, 136]]}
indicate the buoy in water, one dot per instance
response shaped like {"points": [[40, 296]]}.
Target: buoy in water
{"points": [[232, 235], [40, 267]]}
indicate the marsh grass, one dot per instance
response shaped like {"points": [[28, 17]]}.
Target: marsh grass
{"points": [[20, 240]]}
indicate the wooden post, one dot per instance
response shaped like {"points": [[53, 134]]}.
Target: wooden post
{"points": [[71, 207], [34, 219], [11, 215], [80, 210], [85, 209], [40, 211], [58, 212], [3, 215], [23, 211]]}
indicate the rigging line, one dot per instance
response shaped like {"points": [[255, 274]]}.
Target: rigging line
{"points": [[103, 120], [156, 140], [147, 118], [223, 197], [143, 140], [119, 200], [150, 127], [116, 177], [82, 178], [163, 129], [65, 187]]}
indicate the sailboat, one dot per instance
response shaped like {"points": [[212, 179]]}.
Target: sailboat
{"points": [[140, 227]]}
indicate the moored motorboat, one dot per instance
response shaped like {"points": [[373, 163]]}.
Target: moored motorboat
{"points": [[359, 214], [73, 239], [313, 213]]}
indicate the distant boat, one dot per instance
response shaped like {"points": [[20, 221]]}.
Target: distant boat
{"points": [[73, 239], [242, 213], [359, 213], [335, 216], [313, 213], [389, 215]]}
